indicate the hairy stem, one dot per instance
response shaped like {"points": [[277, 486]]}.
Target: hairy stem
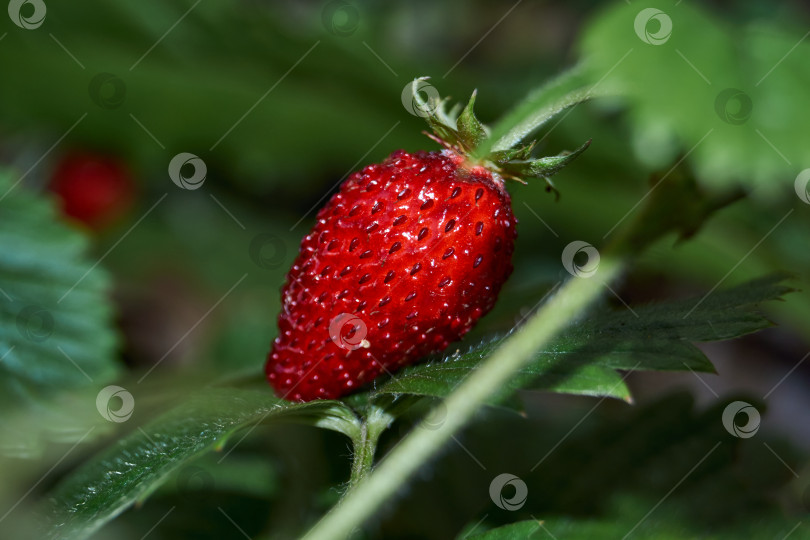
{"points": [[566, 90], [421, 445], [365, 445], [363, 457]]}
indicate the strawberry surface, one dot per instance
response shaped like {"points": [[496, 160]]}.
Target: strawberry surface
{"points": [[402, 261]]}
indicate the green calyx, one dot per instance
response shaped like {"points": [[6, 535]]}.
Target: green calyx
{"points": [[460, 131]]}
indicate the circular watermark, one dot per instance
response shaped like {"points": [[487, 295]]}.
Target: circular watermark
{"points": [[517, 500], [340, 18], [590, 266], [802, 184], [181, 176], [435, 418], [744, 431], [415, 103], [107, 90], [650, 17], [35, 323], [268, 251], [106, 410], [27, 14], [195, 481], [733, 106], [348, 332]]}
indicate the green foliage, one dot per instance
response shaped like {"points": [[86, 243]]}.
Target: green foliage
{"points": [[438, 378], [731, 97], [136, 465], [56, 340], [664, 470], [582, 359]]}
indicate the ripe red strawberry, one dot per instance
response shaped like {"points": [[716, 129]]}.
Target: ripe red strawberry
{"points": [[403, 260], [94, 189], [414, 249]]}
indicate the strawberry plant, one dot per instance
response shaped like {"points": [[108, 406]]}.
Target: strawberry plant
{"points": [[344, 305]]}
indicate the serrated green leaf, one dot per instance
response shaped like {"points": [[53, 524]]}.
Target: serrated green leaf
{"points": [[732, 96], [545, 373], [583, 358], [715, 316], [136, 465], [634, 353], [56, 332]]}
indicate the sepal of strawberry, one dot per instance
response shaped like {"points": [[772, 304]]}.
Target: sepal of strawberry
{"points": [[463, 132], [471, 131], [502, 157], [543, 167]]}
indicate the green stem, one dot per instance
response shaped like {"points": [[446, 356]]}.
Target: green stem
{"points": [[420, 445], [568, 89], [365, 444], [363, 457]]}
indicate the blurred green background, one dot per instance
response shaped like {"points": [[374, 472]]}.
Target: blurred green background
{"points": [[282, 100]]}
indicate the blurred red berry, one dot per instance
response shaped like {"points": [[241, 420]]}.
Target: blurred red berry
{"points": [[93, 189]]}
